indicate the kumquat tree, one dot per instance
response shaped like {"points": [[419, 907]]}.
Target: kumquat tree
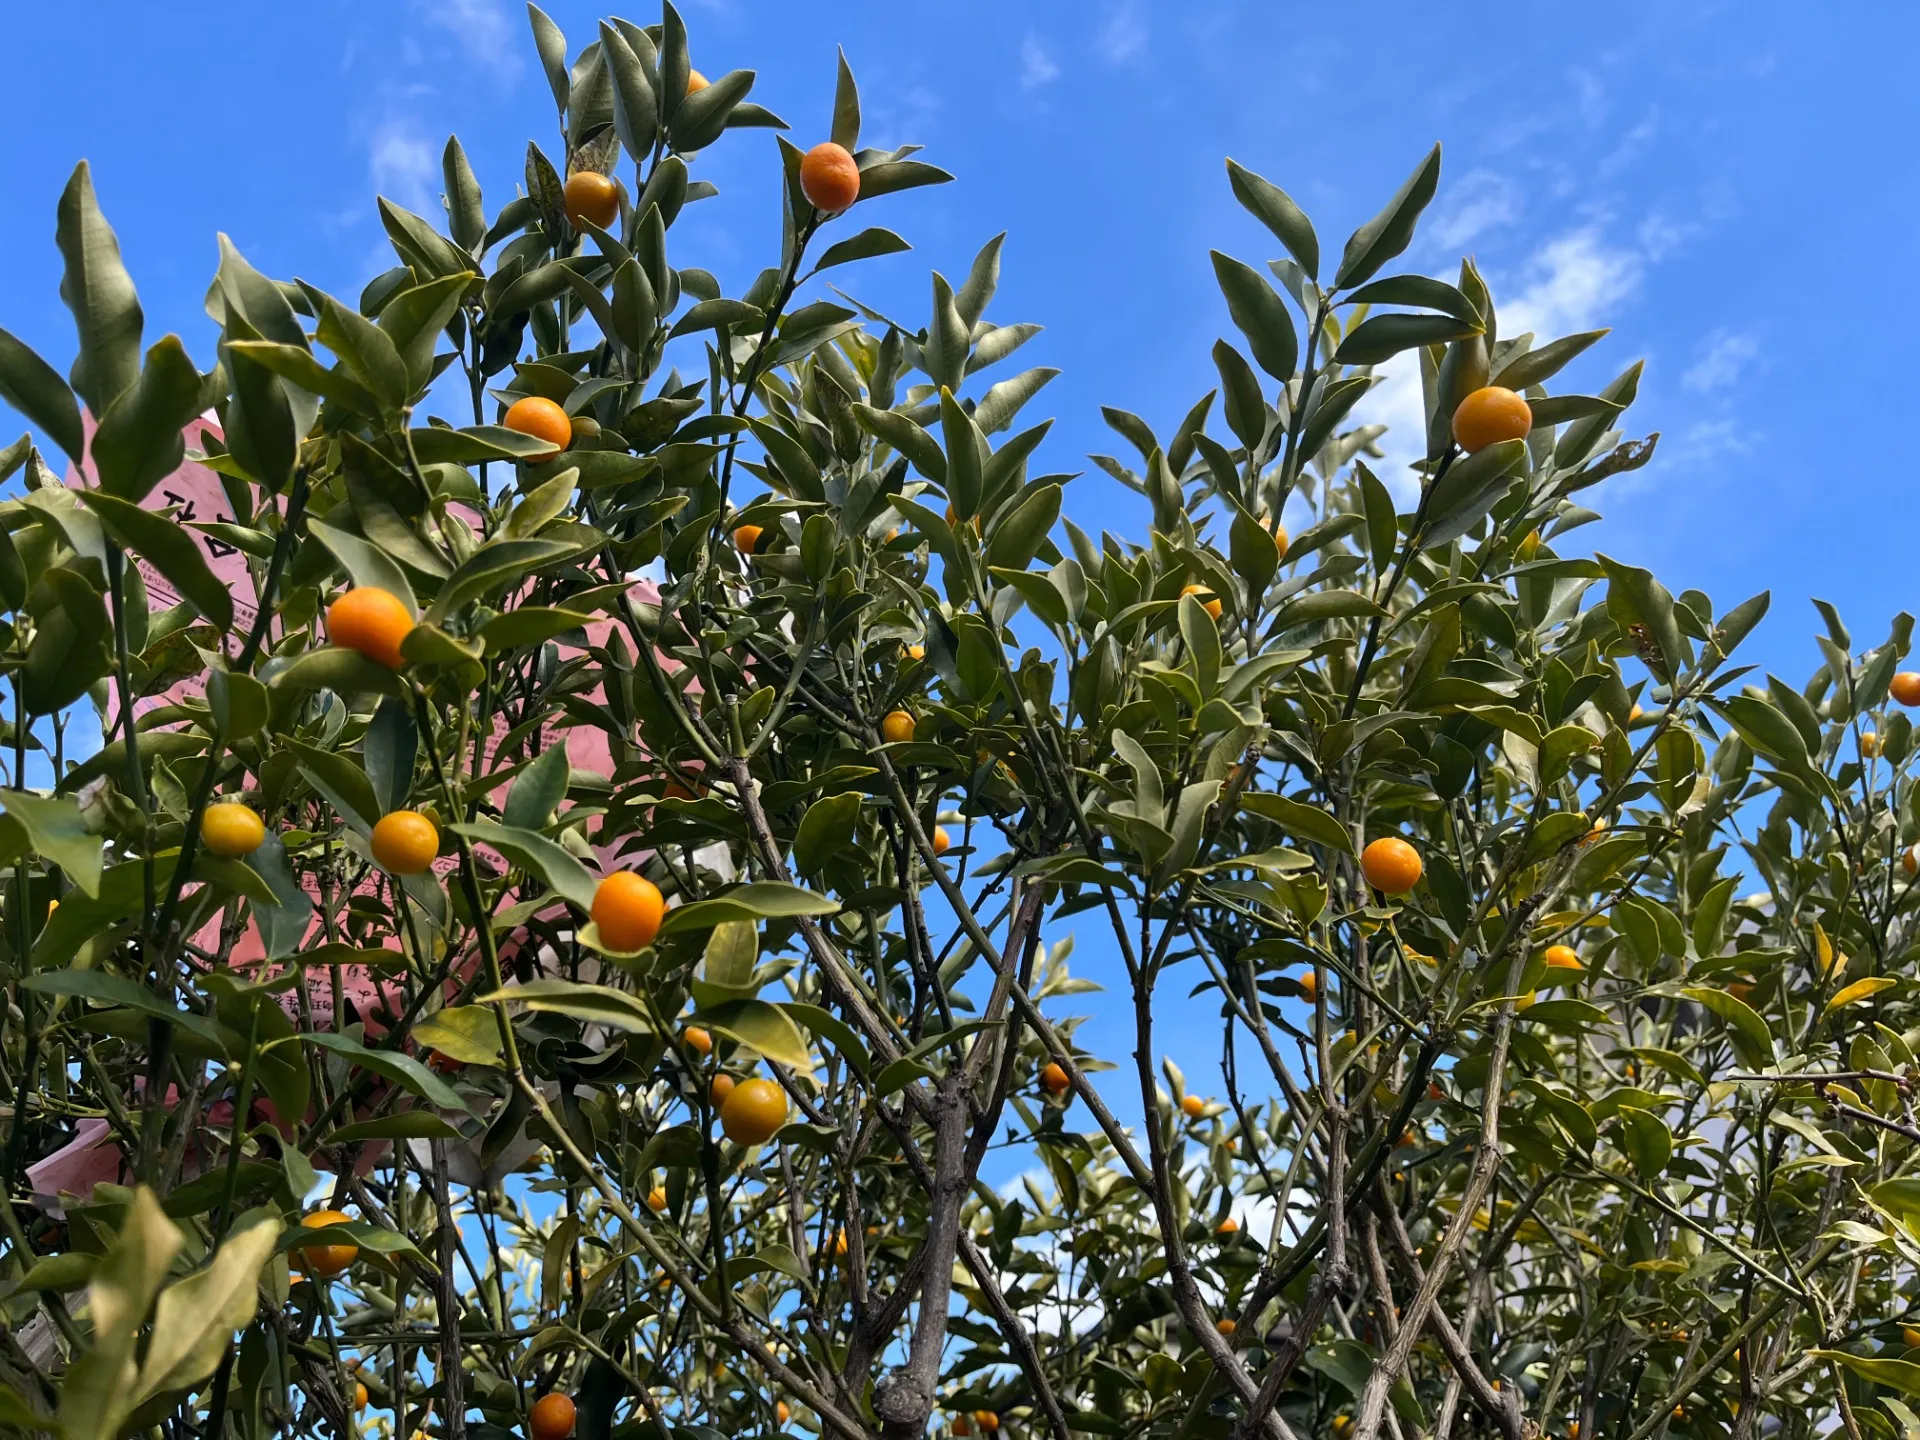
{"points": [[575, 888]]}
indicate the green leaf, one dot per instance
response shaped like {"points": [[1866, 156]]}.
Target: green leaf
{"points": [[57, 829], [1463, 496], [139, 442], [538, 790], [345, 672], [1421, 290], [366, 563], [892, 176], [1016, 539], [846, 108], [96, 1394], [69, 648], [907, 438], [636, 111], [1260, 314], [594, 1004], [340, 782], [366, 350], [195, 1319], [403, 1070], [59, 1274], [492, 565], [299, 367], [1274, 208], [1381, 337], [1745, 1026], [763, 1027], [1389, 232], [240, 703], [1295, 817], [1883, 1370], [98, 290], [761, 901], [832, 1030], [477, 443], [407, 1125], [1653, 606], [1645, 1140], [549, 861], [825, 831], [35, 389], [467, 1033], [867, 245], [527, 626], [171, 550], [1536, 367]]}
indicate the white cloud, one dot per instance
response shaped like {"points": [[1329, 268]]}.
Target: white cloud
{"points": [[1573, 283], [485, 29], [405, 165], [1037, 67], [1658, 235], [1482, 201], [1723, 355], [1125, 33], [1705, 443]]}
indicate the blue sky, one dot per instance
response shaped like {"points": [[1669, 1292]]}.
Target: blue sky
{"points": [[1722, 183]]}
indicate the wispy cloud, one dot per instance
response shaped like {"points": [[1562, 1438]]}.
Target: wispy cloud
{"points": [[404, 164], [1124, 35], [1037, 67], [1723, 355], [485, 29], [1482, 201], [1572, 283]]}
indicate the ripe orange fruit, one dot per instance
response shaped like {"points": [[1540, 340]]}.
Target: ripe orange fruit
{"points": [[627, 909], [1489, 415], [657, 1199], [747, 538], [589, 195], [1528, 548], [942, 842], [551, 1417], [405, 842], [1525, 1001], [962, 1425], [1225, 1326], [986, 1420], [1869, 744], [916, 652], [1908, 862], [1228, 1226], [1906, 687], [372, 621], [1740, 989], [230, 829], [1563, 957], [1391, 865], [829, 178], [840, 1242], [781, 1414], [699, 1039], [327, 1261], [696, 82], [1280, 537], [1193, 1107], [721, 1088], [1309, 984], [1910, 1336], [359, 1395], [1209, 602], [896, 727], [539, 417], [753, 1112], [1054, 1079]]}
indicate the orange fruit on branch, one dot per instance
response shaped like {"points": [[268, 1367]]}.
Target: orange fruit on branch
{"points": [[942, 842], [753, 1112], [1489, 415], [1905, 687], [1391, 865], [1226, 1327], [372, 621], [541, 418], [1054, 1079], [1208, 600], [696, 82], [230, 829], [551, 1417], [722, 1087], [1228, 1226], [589, 195], [657, 1199], [1193, 1106], [327, 1261], [628, 908], [829, 178], [405, 842], [1563, 957], [747, 538], [699, 1040], [897, 727]]}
